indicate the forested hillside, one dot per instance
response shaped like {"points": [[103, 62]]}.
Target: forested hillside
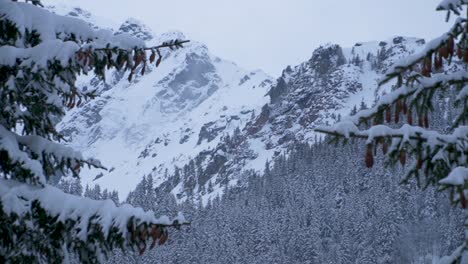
{"points": [[315, 204], [114, 137]]}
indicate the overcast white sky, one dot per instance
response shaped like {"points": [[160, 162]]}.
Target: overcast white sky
{"points": [[271, 34]]}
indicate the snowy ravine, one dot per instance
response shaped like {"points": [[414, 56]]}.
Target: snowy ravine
{"points": [[181, 113]]}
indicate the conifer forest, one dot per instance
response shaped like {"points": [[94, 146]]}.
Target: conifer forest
{"points": [[130, 131]]}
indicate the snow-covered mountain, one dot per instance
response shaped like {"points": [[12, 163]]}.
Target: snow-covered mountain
{"points": [[326, 87], [317, 92], [198, 121], [164, 118]]}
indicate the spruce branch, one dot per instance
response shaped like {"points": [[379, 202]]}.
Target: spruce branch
{"points": [[434, 46], [172, 44], [38, 71], [422, 86], [419, 78]]}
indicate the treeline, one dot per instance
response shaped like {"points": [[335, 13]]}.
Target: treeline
{"points": [[317, 205]]}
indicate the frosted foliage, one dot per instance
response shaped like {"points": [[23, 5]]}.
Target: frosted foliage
{"points": [[9, 143], [400, 119], [452, 4], [457, 176], [41, 55], [17, 197], [49, 26], [54, 31]]}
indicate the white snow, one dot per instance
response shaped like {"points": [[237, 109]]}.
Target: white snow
{"points": [[451, 4], [39, 55], [405, 91], [54, 31], [17, 197], [9, 143], [133, 117], [455, 255], [430, 47], [457, 176], [49, 26]]}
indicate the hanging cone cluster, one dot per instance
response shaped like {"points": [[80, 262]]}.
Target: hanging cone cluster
{"points": [[369, 156], [157, 233]]}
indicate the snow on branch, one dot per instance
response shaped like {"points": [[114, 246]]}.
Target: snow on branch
{"points": [[456, 255], [17, 197], [457, 176], [40, 145], [424, 84], [39, 55], [39, 39], [433, 152], [406, 132], [9, 144], [85, 219], [454, 6], [431, 47], [15, 145], [49, 26]]}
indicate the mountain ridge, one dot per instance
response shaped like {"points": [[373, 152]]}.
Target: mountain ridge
{"points": [[188, 91], [198, 122]]}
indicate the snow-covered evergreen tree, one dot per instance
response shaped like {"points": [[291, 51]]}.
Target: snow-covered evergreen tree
{"points": [[41, 55], [438, 157], [76, 188]]}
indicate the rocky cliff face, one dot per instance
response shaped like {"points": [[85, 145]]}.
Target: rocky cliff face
{"points": [[319, 91]]}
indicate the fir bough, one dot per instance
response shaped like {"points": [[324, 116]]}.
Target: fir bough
{"points": [[41, 55], [399, 122]]}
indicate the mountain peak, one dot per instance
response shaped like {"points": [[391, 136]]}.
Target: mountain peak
{"points": [[326, 58], [171, 35], [136, 28], [393, 41], [79, 13]]}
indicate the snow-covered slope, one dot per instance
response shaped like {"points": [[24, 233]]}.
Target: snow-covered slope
{"points": [[317, 92], [328, 86], [164, 118], [198, 122]]}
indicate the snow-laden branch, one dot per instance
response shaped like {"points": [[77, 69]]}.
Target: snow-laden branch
{"points": [[81, 221], [49, 26], [9, 143], [17, 197], [40, 145], [456, 254], [452, 5], [433, 152], [406, 132], [70, 41], [62, 37], [65, 52], [40, 55], [432, 46], [425, 84], [14, 146], [457, 176]]}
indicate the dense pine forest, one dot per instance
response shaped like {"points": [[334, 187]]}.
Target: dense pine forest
{"points": [[315, 204]]}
